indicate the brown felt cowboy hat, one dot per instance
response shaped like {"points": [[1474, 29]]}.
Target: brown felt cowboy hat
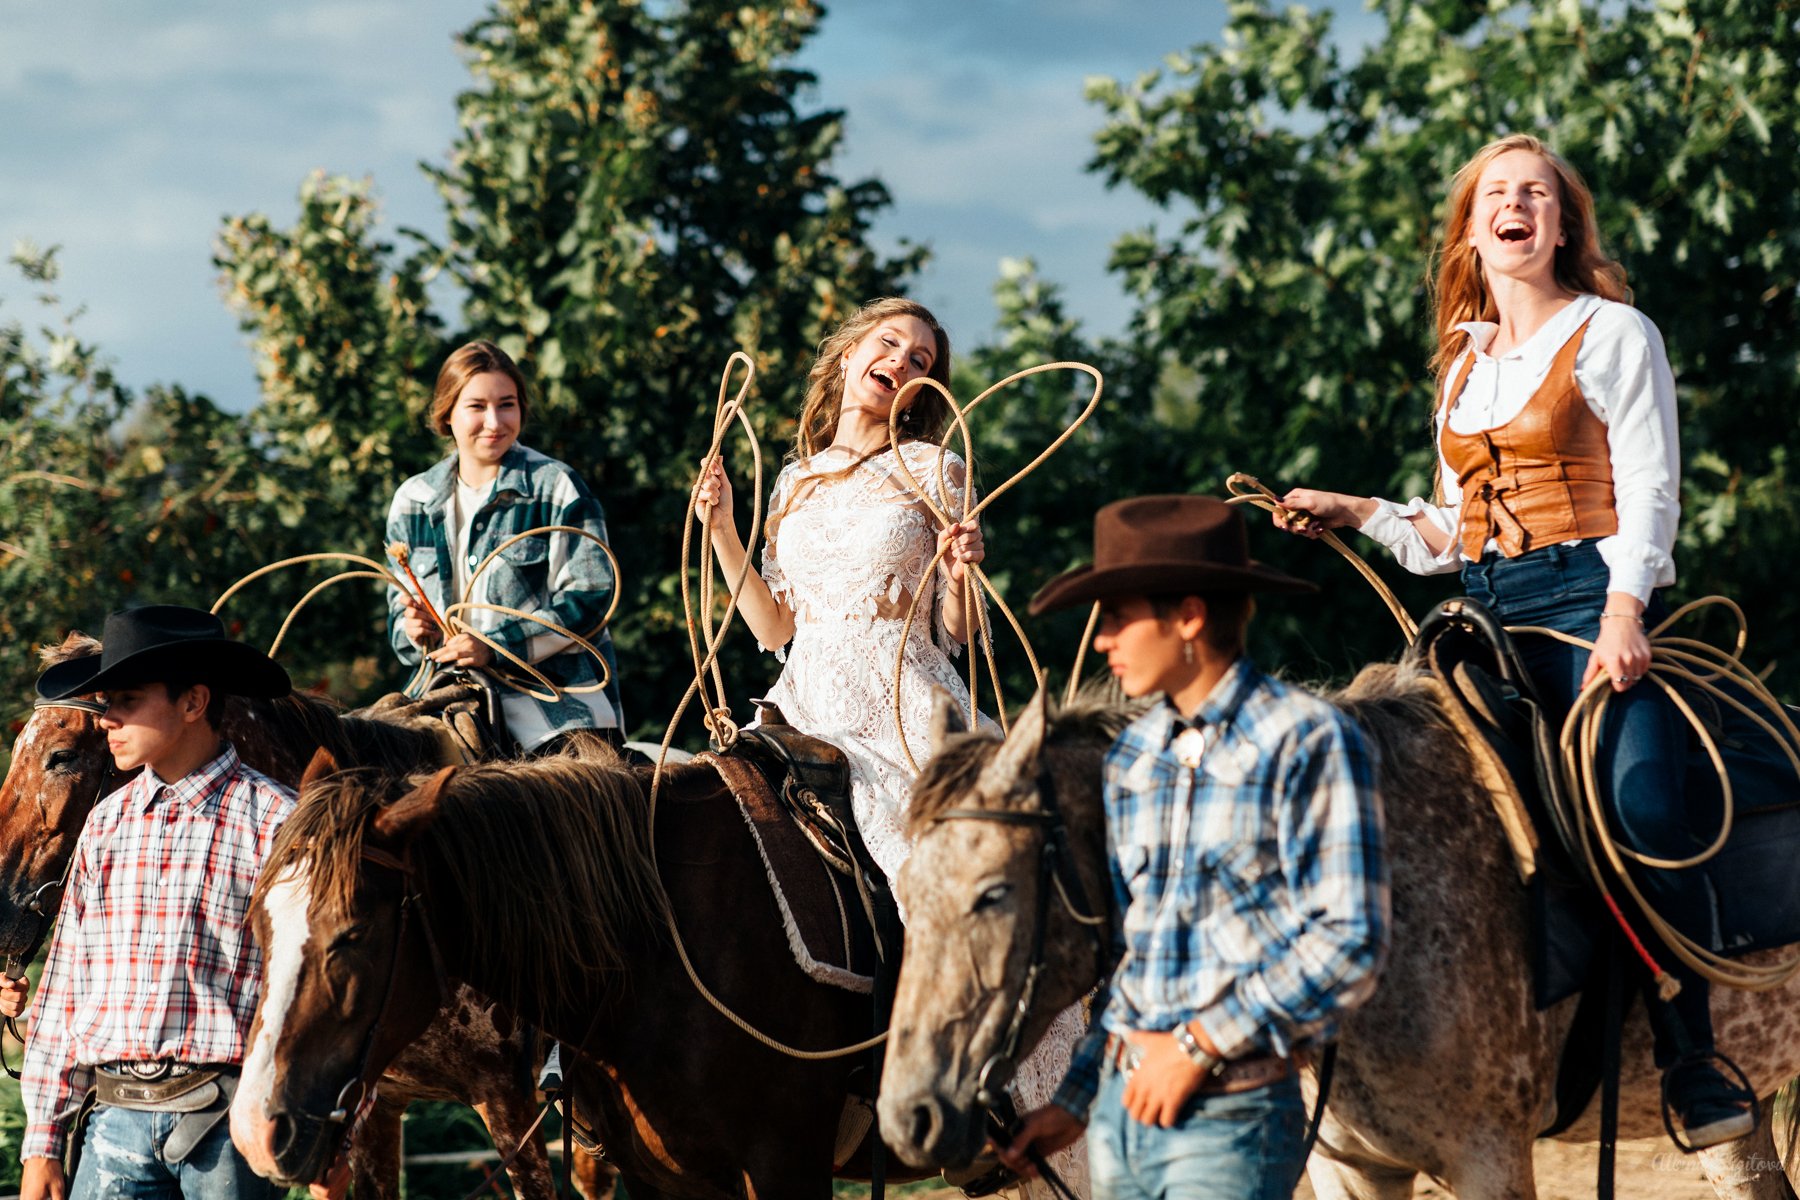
{"points": [[1166, 545], [162, 642]]}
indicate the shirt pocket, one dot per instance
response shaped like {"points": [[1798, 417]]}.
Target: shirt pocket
{"points": [[1134, 869], [1240, 894], [522, 574]]}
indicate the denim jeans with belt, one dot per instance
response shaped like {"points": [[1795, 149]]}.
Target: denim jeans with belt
{"points": [[1244, 1146], [122, 1160], [1643, 743]]}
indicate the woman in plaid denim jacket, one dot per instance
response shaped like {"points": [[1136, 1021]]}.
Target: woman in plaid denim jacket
{"points": [[453, 516]]}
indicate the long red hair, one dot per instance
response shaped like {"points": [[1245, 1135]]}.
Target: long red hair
{"points": [[1460, 292]]}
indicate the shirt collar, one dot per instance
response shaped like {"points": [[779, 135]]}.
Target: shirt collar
{"points": [[1219, 708], [199, 789], [1540, 347]]}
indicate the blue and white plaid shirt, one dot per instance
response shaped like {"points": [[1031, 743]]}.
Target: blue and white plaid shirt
{"points": [[561, 577], [1253, 887]]}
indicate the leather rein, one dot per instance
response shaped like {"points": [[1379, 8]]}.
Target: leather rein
{"points": [[40, 905], [1056, 870]]}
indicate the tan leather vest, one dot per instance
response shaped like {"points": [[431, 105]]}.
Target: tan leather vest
{"points": [[1543, 477]]}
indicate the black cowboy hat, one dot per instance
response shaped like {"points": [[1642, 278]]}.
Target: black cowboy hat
{"points": [[1166, 545], [161, 642]]}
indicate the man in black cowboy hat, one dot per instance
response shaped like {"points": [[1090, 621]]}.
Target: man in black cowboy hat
{"points": [[153, 978], [1246, 855]]}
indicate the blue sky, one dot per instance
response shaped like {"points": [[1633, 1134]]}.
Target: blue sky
{"points": [[131, 129]]}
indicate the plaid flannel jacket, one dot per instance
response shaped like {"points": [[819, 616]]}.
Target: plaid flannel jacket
{"points": [[1253, 886], [561, 577], [152, 955]]}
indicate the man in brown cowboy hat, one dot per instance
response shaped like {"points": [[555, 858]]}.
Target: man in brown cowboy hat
{"points": [[1247, 866], [153, 978]]}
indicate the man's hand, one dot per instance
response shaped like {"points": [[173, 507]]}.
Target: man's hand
{"points": [[1164, 1079], [15, 994], [42, 1179], [1043, 1130]]}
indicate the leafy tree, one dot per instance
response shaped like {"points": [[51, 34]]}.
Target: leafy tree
{"points": [[1310, 177], [636, 191]]}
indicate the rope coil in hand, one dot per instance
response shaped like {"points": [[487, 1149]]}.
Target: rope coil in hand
{"points": [[1676, 663], [975, 621]]}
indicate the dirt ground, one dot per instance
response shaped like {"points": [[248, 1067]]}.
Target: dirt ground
{"points": [[1647, 1170]]}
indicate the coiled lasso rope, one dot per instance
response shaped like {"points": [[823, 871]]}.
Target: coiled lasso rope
{"points": [[449, 622], [717, 710], [1676, 663], [975, 621]]}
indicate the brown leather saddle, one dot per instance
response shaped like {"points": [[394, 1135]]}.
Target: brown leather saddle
{"points": [[794, 791], [462, 708]]}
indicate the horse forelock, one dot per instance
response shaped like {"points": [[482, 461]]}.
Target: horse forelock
{"points": [[322, 841], [76, 645], [949, 778]]}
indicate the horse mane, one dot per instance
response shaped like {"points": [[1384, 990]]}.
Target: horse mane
{"points": [[1096, 716], [76, 645], [551, 852], [1400, 710], [299, 722]]}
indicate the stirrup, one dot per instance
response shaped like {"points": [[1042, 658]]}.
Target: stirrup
{"points": [[1722, 1130]]}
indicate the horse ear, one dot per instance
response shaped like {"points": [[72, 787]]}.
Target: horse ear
{"points": [[323, 763], [1016, 763], [946, 718], [412, 813]]}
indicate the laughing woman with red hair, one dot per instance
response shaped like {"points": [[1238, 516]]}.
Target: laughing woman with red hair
{"points": [[1559, 468]]}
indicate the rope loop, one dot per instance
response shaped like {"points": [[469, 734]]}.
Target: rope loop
{"points": [[976, 584]]}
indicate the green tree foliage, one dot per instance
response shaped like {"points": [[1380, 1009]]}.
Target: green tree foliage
{"points": [[1308, 178], [635, 192]]}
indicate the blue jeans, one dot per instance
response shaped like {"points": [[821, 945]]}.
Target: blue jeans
{"points": [[1643, 743], [121, 1159], [1239, 1147]]}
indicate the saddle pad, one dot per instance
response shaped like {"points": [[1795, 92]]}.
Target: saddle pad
{"points": [[820, 911]]}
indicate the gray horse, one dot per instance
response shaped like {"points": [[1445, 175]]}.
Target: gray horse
{"points": [[1448, 1070]]}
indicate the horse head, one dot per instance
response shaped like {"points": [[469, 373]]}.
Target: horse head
{"points": [[351, 970], [61, 766], [1007, 916]]}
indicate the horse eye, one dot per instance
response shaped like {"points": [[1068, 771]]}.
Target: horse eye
{"points": [[349, 937], [60, 760], [993, 897]]}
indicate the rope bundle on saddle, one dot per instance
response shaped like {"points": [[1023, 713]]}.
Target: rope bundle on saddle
{"points": [[1689, 672]]}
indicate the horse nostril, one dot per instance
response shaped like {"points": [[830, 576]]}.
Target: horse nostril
{"points": [[282, 1133], [924, 1124]]}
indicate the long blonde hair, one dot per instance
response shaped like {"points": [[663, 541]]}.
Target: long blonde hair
{"points": [[1460, 291], [924, 419]]}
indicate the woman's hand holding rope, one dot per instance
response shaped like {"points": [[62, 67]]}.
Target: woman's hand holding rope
{"points": [[1622, 651]]}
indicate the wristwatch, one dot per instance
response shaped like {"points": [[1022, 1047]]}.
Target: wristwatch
{"points": [[1190, 1046]]}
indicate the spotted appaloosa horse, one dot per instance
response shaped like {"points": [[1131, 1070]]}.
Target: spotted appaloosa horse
{"points": [[1448, 1070], [473, 1053]]}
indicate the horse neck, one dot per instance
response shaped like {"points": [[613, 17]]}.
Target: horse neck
{"points": [[1075, 770]]}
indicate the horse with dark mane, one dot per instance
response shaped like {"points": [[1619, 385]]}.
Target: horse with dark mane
{"points": [[1449, 1070], [542, 884], [472, 1053]]}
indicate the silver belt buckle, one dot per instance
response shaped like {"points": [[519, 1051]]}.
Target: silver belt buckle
{"points": [[152, 1070]]}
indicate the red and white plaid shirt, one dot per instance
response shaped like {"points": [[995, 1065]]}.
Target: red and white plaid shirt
{"points": [[152, 955]]}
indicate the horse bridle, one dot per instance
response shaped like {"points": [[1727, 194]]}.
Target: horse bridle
{"points": [[357, 1096], [37, 906], [1056, 870]]}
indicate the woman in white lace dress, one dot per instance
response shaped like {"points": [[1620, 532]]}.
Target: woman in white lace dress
{"points": [[848, 543]]}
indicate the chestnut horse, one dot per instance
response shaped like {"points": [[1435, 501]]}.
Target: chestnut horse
{"points": [[1448, 1070], [473, 1053], [535, 883]]}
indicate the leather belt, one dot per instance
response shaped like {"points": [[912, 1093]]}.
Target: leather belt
{"points": [[161, 1085], [1229, 1077]]}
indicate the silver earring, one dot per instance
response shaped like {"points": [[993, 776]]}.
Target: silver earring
{"points": [[1187, 653]]}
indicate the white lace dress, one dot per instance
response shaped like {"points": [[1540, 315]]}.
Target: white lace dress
{"points": [[848, 544]]}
